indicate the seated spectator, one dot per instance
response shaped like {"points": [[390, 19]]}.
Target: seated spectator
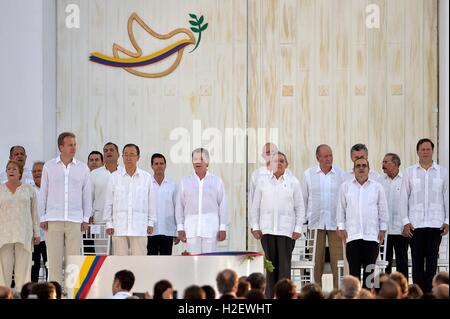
{"points": [[44, 291], [389, 290], [5, 293], [163, 290], [285, 289], [257, 281], [401, 281], [365, 294], [379, 279], [209, 291], [227, 284], [311, 291], [414, 292], [58, 289], [26, 290], [122, 284], [440, 278], [243, 287], [441, 291], [254, 294], [350, 287], [194, 292], [335, 294]]}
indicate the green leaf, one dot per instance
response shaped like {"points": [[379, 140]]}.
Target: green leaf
{"points": [[193, 16], [203, 28], [194, 23], [200, 21], [195, 30]]}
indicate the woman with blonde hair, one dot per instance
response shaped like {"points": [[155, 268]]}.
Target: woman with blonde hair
{"points": [[19, 227]]}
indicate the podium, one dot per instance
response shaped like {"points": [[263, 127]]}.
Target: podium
{"points": [[91, 277]]}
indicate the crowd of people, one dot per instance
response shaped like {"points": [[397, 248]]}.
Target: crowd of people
{"points": [[44, 211]]}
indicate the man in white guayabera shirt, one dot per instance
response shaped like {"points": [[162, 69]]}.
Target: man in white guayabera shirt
{"points": [[320, 190], [66, 204], [165, 190], [392, 183], [362, 220], [424, 210], [277, 216], [201, 209], [128, 213]]}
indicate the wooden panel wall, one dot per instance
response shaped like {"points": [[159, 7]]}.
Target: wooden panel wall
{"points": [[310, 69]]}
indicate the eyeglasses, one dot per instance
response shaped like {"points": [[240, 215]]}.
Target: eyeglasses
{"points": [[361, 166]]}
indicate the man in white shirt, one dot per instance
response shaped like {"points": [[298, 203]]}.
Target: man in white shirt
{"points": [[165, 193], [95, 160], [67, 204], [360, 151], [362, 218], [128, 213], [122, 284], [100, 178], [424, 210], [201, 209], [321, 188], [277, 217], [392, 182], [17, 153], [39, 250]]}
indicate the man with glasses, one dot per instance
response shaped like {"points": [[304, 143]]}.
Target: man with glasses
{"points": [[362, 218]]}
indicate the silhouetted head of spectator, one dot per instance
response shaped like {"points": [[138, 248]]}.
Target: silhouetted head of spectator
{"points": [[335, 294], [194, 292], [227, 282], [440, 278], [58, 289], [414, 292], [311, 291], [209, 291], [364, 294], [44, 290], [243, 287], [389, 290], [441, 291], [27, 289], [160, 287], [285, 289], [123, 281], [254, 294], [401, 281], [257, 281], [5, 293], [350, 287], [379, 279]]}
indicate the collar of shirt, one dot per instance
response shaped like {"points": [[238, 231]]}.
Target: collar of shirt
{"points": [[59, 160], [434, 165], [198, 178], [318, 170], [369, 181], [136, 172], [399, 175], [279, 180], [163, 181]]}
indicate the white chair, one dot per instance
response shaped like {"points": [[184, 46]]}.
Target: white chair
{"points": [[97, 240], [302, 264], [443, 254], [380, 265]]}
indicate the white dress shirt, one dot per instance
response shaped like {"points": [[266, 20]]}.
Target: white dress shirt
{"points": [[128, 201], [122, 295], [392, 190], [166, 198], [320, 193], [99, 181], [256, 175], [39, 210], [201, 209], [278, 207], [362, 210], [27, 177], [424, 196], [66, 191]]}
